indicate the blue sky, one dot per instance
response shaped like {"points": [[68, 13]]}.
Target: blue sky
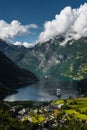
{"points": [[33, 12]]}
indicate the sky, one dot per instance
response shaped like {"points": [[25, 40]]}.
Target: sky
{"points": [[25, 21]]}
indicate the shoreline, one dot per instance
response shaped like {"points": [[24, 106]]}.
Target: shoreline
{"points": [[14, 91]]}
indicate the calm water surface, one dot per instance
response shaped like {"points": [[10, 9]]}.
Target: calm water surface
{"points": [[44, 90]]}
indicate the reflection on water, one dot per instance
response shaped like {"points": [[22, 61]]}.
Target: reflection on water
{"points": [[44, 90]]}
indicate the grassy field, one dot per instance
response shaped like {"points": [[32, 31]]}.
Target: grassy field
{"points": [[76, 107], [37, 118]]}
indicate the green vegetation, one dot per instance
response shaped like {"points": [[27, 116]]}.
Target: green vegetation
{"points": [[76, 66], [76, 107], [59, 102], [29, 62], [37, 118], [51, 59], [44, 115], [12, 76], [76, 114]]}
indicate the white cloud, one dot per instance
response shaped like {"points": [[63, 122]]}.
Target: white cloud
{"points": [[70, 23], [29, 45], [25, 44], [13, 29], [17, 43], [8, 31]]}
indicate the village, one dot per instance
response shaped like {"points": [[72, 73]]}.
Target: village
{"points": [[53, 114]]}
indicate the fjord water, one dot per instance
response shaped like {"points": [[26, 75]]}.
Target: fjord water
{"points": [[44, 90]]}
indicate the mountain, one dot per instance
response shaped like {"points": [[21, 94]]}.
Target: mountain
{"points": [[52, 59], [15, 52], [13, 77]]}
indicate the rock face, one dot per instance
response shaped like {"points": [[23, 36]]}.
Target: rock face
{"points": [[50, 59], [13, 77]]}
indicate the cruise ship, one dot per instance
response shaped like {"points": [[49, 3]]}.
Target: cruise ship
{"points": [[59, 93]]}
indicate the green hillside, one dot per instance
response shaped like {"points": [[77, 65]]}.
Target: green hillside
{"points": [[13, 77], [52, 60]]}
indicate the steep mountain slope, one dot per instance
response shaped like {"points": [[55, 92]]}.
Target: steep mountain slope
{"points": [[15, 52], [12, 77], [50, 59]]}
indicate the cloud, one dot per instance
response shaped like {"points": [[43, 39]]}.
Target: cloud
{"points": [[8, 31], [25, 44], [71, 23]]}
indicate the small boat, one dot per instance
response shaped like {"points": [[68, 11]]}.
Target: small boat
{"points": [[59, 93]]}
